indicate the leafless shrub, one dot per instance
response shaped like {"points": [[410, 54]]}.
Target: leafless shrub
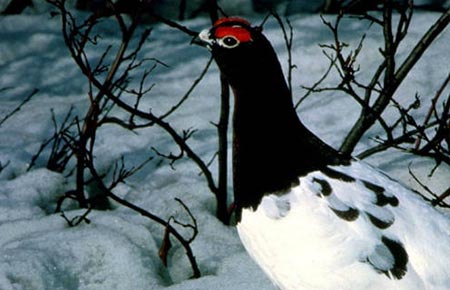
{"points": [[109, 84], [429, 138]]}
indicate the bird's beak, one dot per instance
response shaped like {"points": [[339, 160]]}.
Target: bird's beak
{"points": [[205, 37]]}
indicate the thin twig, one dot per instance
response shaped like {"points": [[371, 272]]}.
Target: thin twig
{"points": [[189, 91], [311, 89], [176, 25], [193, 226], [437, 200], [75, 221], [393, 78], [185, 243], [19, 107], [433, 106], [288, 36], [221, 190], [120, 173], [395, 141], [3, 166]]}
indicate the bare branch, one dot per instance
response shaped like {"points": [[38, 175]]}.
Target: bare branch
{"points": [[394, 142], [437, 200], [288, 36], [189, 91], [19, 107], [120, 173], [221, 190], [3, 166], [75, 221], [422, 46], [313, 88], [393, 78], [185, 243], [193, 226], [61, 151], [433, 106], [440, 199], [177, 26]]}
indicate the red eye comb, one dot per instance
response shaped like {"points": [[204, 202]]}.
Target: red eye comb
{"points": [[232, 20], [233, 26]]}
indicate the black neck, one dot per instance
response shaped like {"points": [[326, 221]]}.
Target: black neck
{"points": [[271, 147]]}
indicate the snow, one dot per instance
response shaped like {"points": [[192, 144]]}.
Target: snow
{"points": [[118, 249]]}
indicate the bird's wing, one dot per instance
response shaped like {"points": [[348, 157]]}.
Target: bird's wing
{"points": [[349, 227]]}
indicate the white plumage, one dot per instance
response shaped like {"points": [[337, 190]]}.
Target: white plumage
{"points": [[339, 230]]}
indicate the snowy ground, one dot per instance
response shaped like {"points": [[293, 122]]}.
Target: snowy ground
{"points": [[119, 249]]}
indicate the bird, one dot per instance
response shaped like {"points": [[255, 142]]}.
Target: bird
{"points": [[310, 216]]}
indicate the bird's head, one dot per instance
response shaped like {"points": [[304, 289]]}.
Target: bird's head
{"points": [[242, 52], [228, 33]]}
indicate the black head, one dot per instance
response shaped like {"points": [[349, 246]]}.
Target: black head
{"points": [[242, 52]]}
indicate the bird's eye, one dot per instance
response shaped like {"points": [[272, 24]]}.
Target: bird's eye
{"points": [[229, 42]]}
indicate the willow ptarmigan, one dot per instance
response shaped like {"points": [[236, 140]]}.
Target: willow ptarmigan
{"points": [[311, 217]]}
